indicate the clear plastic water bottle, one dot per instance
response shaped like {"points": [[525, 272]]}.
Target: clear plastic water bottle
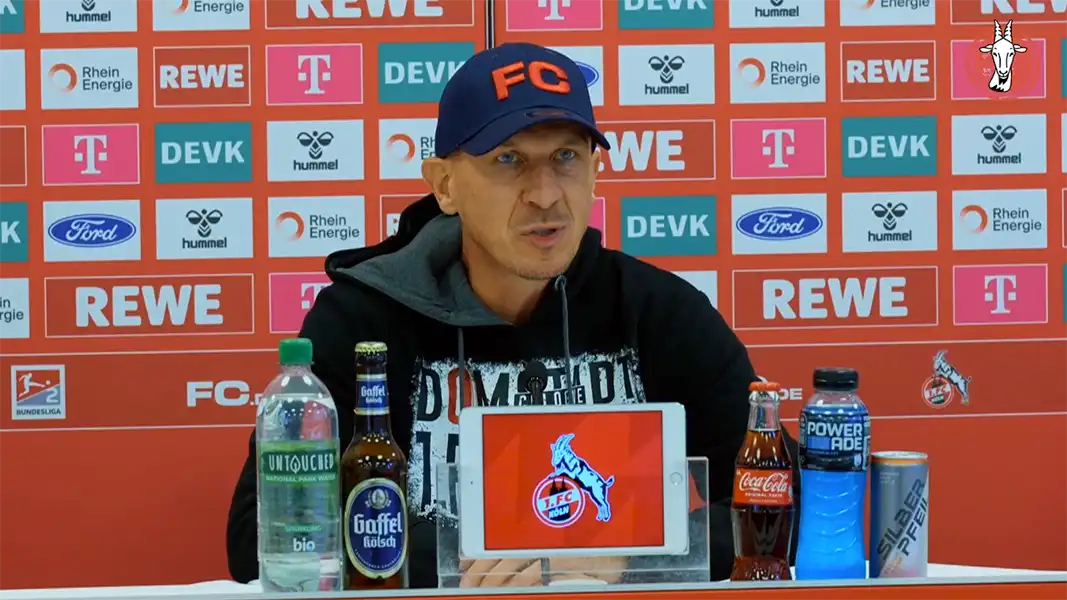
{"points": [[299, 491], [835, 450]]}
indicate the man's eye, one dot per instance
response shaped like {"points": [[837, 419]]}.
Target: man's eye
{"points": [[566, 154], [507, 158]]}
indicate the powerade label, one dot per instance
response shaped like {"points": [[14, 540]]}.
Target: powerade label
{"points": [[298, 495], [373, 394], [376, 525], [834, 439]]}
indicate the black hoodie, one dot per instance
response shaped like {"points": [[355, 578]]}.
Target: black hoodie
{"points": [[612, 329]]}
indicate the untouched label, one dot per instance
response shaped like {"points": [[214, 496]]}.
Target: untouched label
{"points": [[835, 441], [765, 487], [299, 495], [373, 394], [376, 540]]}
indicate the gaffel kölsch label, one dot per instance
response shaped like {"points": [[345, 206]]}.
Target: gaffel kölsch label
{"points": [[373, 394], [376, 527]]}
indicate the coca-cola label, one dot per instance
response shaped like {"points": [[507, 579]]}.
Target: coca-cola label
{"points": [[764, 487]]}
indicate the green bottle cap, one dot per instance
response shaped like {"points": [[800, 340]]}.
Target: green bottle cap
{"points": [[295, 351]]}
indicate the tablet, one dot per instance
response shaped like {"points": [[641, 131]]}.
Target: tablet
{"points": [[583, 480]]}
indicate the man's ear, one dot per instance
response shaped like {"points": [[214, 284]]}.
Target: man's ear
{"points": [[437, 172], [596, 168]]}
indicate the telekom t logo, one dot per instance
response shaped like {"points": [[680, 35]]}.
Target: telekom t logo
{"points": [[309, 292], [1000, 289], [780, 146], [553, 7], [95, 150], [315, 73]]}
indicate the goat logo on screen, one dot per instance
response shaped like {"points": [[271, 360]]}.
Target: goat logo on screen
{"points": [[559, 499], [1002, 51]]}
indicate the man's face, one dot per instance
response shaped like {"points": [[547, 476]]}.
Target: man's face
{"points": [[526, 204]]}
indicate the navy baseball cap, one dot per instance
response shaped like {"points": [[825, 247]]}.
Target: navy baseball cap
{"points": [[501, 91]]}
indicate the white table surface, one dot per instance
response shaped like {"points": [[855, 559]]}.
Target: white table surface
{"points": [[231, 588]]}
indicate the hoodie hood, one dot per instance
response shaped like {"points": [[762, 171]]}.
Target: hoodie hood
{"points": [[421, 267]]}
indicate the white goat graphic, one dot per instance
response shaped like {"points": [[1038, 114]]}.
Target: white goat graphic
{"points": [[1003, 51]]}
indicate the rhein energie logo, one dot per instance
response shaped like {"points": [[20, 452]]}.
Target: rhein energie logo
{"points": [[559, 499], [1002, 51]]}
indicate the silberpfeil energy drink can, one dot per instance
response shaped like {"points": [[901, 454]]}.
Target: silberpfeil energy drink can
{"points": [[900, 514]]}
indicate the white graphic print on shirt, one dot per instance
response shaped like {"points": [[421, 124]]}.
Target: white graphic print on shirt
{"points": [[595, 379]]}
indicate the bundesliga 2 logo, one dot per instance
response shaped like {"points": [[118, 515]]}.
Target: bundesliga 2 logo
{"points": [[559, 499]]}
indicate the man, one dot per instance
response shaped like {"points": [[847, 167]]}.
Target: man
{"points": [[498, 274]]}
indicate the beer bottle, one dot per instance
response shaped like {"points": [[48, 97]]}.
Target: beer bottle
{"points": [[374, 475]]}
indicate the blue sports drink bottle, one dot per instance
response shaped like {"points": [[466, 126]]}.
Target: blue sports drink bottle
{"points": [[835, 450]]}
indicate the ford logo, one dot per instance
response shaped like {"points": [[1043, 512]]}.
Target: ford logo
{"points": [[779, 223], [589, 72], [92, 230]]}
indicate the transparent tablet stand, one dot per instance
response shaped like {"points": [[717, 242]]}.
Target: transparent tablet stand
{"points": [[691, 567]]}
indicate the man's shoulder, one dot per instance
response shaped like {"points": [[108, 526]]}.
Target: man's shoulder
{"points": [[651, 283], [345, 312]]}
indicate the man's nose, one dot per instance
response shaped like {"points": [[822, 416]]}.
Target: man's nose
{"points": [[543, 190]]}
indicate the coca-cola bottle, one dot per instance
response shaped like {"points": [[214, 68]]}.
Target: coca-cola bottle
{"points": [[762, 508]]}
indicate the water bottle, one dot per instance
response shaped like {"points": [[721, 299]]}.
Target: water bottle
{"points": [[298, 485], [835, 450]]}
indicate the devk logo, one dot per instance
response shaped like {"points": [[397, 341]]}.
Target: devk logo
{"points": [[1002, 51], [560, 498]]}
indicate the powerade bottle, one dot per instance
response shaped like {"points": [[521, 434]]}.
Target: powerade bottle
{"points": [[835, 450]]}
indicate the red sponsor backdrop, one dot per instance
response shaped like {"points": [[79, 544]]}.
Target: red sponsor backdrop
{"points": [[157, 413]]}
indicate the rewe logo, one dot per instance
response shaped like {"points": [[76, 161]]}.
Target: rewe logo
{"points": [[554, 15], [148, 305], [978, 75], [337, 14], [881, 71], [835, 298], [1000, 294], [981, 12], [315, 75], [777, 148], [659, 151], [203, 152], [291, 297], [666, 14], [91, 154], [669, 226], [889, 146], [418, 72], [202, 76]]}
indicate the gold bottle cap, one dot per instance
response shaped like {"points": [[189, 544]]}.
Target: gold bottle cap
{"points": [[370, 348]]}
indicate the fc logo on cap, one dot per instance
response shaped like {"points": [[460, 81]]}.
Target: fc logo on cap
{"points": [[518, 72]]}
